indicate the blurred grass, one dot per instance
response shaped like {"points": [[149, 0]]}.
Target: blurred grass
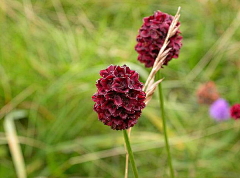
{"points": [[50, 56]]}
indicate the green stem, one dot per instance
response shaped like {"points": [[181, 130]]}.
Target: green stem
{"points": [[164, 125], [130, 153]]}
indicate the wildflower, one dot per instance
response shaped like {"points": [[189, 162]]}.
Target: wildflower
{"points": [[207, 93], [235, 111], [219, 110], [119, 99], [151, 38]]}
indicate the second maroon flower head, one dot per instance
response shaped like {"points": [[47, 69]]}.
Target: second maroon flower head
{"points": [[235, 111], [119, 99], [151, 38]]}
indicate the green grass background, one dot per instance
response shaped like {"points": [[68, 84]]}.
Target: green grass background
{"points": [[51, 52]]}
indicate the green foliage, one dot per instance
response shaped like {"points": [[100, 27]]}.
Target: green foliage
{"points": [[50, 56]]}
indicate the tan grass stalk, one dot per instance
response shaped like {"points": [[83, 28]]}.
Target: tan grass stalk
{"points": [[150, 85], [127, 156], [13, 142]]}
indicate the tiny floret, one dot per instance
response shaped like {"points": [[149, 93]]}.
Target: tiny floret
{"points": [[151, 38], [119, 99], [219, 110], [235, 111]]}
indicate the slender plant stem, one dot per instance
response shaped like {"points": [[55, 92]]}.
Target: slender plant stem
{"points": [[164, 124], [130, 153], [127, 155]]}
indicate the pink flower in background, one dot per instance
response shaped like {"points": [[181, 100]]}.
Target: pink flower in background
{"points": [[219, 110], [207, 93], [151, 38], [235, 111], [119, 99]]}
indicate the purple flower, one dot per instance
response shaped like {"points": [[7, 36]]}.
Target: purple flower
{"points": [[119, 99], [219, 110]]}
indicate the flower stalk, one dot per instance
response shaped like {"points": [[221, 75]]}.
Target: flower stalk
{"points": [[161, 101], [130, 153]]}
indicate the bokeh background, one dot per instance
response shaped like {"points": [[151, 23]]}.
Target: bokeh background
{"points": [[51, 52]]}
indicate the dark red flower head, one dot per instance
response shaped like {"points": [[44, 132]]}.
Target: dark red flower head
{"points": [[235, 111], [119, 99], [151, 38]]}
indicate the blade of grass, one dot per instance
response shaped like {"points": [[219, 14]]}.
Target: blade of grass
{"points": [[17, 100]]}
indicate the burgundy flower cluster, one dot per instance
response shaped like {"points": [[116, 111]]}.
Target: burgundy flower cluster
{"points": [[119, 99], [151, 38]]}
